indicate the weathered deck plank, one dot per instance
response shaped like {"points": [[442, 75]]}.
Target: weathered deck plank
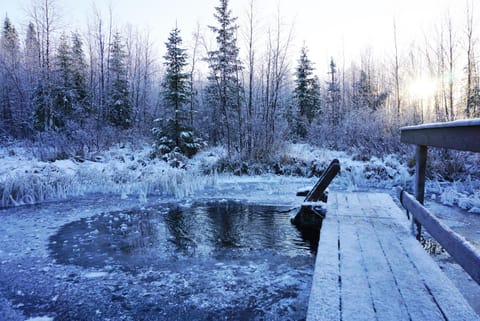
{"points": [[370, 267], [376, 264], [355, 286], [326, 304]]}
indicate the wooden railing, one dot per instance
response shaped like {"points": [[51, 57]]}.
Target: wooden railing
{"points": [[459, 135]]}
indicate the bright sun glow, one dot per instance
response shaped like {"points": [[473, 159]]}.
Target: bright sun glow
{"points": [[422, 88]]}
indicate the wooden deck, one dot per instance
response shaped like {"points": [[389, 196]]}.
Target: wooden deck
{"points": [[370, 267]]}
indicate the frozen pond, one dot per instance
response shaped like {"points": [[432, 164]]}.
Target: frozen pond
{"points": [[161, 237], [464, 223], [201, 260]]}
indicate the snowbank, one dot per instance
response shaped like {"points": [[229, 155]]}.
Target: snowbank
{"points": [[358, 173], [128, 173], [26, 180]]}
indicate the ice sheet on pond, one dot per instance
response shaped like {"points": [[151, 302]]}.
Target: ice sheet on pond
{"points": [[201, 260]]}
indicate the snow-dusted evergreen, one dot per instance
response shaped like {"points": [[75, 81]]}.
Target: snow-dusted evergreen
{"points": [[306, 95], [119, 108], [79, 75], [175, 137], [10, 94], [224, 91], [70, 92], [333, 95], [364, 94]]}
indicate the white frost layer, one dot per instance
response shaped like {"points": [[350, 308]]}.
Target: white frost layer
{"points": [[95, 275], [129, 173], [25, 180]]}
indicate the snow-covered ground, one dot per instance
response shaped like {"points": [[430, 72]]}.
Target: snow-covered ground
{"points": [[131, 173], [123, 178]]}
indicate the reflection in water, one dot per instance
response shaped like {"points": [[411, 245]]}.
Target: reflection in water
{"points": [[310, 236], [155, 236]]}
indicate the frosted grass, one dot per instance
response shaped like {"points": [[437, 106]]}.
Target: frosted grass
{"points": [[120, 173], [127, 173]]}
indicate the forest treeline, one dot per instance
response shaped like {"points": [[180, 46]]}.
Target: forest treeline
{"points": [[94, 88]]}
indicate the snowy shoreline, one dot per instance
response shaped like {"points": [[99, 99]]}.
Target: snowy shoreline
{"points": [[121, 179], [29, 274], [131, 173]]}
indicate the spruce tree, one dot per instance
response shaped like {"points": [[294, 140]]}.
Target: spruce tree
{"points": [[362, 91], [333, 98], [224, 87], [176, 136], [63, 91], [10, 46], [118, 102], [79, 74], [306, 94], [364, 95], [31, 56], [10, 58]]}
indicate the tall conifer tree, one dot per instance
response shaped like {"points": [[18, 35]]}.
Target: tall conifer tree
{"points": [[333, 98], [176, 136], [63, 91], [224, 88], [364, 94], [306, 94], [9, 55], [118, 102], [79, 73]]}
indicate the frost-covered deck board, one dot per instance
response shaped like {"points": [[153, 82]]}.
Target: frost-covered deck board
{"points": [[325, 299], [370, 267]]}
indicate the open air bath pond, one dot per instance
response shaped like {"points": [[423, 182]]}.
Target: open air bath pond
{"points": [[200, 260]]}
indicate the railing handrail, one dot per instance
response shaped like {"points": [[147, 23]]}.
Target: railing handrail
{"points": [[456, 245], [459, 135], [454, 123]]}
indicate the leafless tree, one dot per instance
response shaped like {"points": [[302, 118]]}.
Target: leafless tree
{"points": [[451, 43], [397, 67], [276, 74], [471, 85]]}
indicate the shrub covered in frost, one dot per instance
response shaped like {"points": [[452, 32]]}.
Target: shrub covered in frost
{"points": [[304, 160], [119, 171], [173, 147], [38, 184]]}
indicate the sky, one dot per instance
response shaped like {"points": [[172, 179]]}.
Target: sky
{"points": [[332, 28]]}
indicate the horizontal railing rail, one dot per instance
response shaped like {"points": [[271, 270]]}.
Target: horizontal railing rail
{"points": [[464, 253], [461, 135]]}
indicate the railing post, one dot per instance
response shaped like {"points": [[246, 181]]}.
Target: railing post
{"points": [[420, 172]]}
